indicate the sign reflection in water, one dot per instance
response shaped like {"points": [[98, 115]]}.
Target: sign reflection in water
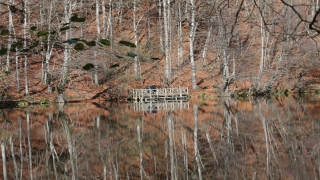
{"points": [[222, 139]]}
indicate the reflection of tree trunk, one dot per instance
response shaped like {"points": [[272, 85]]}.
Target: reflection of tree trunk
{"points": [[185, 152], [265, 128], [13, 158], [29, 145], [171, 147], [195, 136], [211, 145], [101, 153], [71, 146], [49, 142], [4, 165], [140, 151], [20, 146]]}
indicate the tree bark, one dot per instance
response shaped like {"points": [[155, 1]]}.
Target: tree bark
{"points": [[25, 46], [180, 34], [9, 36], [192, 37], [166, 40]]}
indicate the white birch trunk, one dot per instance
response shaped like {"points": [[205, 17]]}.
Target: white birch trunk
{"points": [[166, 40], [96, 78], [110, 24], [67, 48], [104, 19], [180, 34], [257, 87], [192, 37], [47, 76], [169, 35], [25, 47], [205, 48], [160, 26], [120, 12], [135, 29], [10, 28]]}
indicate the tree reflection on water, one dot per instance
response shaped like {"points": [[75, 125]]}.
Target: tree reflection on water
{"points": [[222, 139]]}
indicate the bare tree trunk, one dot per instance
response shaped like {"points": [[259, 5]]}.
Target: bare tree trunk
{"points": [[135, 26], [169, 35], [67, 48], [180, 34], [17, 70], [262, 53], [104, 19], [192, 37], [96, 78], [205, 48], [10, 28], [110, 25], [120, 12], [25, 47], [160, 26], [47, 75], [166, 40]]}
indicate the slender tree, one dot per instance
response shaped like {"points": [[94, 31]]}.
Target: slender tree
{"points": [[166, 41], [25, 15], [96, 78], [192, 34], [180, 34], [10, 30]]}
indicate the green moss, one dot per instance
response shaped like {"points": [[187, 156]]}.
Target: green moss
{"points": [[242, 95], [23, 104], [44, 102], [317, 91]]}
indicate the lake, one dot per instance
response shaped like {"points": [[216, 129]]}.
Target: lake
{"points": [[209, 139]]}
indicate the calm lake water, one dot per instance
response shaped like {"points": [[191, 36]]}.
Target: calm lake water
{"points": [[211, 139]]}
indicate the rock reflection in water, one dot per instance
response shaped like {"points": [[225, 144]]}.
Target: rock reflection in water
{"points": [[223, 139]]}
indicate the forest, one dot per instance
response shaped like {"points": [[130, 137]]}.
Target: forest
{"points": [[82, 49]]}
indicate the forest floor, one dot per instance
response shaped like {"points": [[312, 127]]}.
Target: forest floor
{"points": [[81, 87]]}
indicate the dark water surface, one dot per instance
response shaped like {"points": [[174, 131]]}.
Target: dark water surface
{"points": [[221, 139]]}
